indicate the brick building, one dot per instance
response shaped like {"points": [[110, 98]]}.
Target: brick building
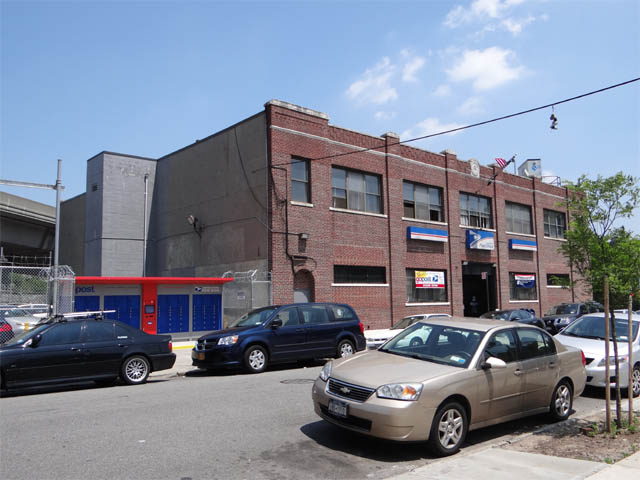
{"points": [[333, 215]]}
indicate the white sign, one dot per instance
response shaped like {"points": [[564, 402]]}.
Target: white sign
{"points": [[426, 279]]}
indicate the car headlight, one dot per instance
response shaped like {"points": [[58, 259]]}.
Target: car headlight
{"points": [[326, 371], [400, 391], [230, 340], [612, 360]]}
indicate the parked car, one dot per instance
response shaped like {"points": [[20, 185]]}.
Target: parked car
{"points": [[6, 332], [282, 333], [562, 315], [82, 348], [587, 333], [375, 338], [22, 319], [463, 374], [518, 315]]}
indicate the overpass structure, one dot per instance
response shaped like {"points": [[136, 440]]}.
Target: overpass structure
{"points": [[27, 228]]}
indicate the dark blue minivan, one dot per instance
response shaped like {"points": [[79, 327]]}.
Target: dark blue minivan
{"points": [[282, 333]]}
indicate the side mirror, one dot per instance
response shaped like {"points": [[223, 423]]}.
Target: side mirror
{"points": [[34, 341], [493, 362], [276, 322]]}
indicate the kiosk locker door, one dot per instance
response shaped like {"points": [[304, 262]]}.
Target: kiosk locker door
{"points": [[206, 312], [127, 308], [86, 303], [173, 313]]}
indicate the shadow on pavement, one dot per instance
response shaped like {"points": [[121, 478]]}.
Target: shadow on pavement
{"points": [[226, 372], [69, 387]]}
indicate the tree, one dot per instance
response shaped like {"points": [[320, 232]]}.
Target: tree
{"points": [[597, 249]]}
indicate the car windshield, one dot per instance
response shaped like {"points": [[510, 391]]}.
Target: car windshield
{"points": [[436, 343], [16, 312], [497, 315], [593, 327], [254, 317], [22, 337], [564, 309], [405, 322]]}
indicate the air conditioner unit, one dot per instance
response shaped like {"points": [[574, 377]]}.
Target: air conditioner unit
{"points": [[531, 168]]}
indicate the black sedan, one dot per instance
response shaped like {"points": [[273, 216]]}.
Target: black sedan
{"points": [[517, 315], [83, 349]]}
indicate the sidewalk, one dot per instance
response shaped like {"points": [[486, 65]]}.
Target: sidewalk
{"points": [[183, 360]]}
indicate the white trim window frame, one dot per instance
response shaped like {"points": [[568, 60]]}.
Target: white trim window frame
{"points": [[475, 211], [518, 218], [422, 202], [555, 224], [424, 296], [355, 190]]}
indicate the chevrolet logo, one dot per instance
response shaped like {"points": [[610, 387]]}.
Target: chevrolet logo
{"points": [[345, 390]]}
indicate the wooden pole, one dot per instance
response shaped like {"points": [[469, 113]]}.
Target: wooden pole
{"points": [[630, 335], [607, 383]]}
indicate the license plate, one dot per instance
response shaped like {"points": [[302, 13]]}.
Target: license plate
{"points": [[339, 409], [197, 355]]}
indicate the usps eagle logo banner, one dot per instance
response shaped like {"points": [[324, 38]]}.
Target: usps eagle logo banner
{"points": [[426, 279], [525, 281]]}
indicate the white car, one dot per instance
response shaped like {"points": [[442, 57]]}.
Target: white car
{"points": [[587, 334], [375, 338]]}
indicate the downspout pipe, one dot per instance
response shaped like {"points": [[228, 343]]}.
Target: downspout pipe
{"points": [[144, 226]]}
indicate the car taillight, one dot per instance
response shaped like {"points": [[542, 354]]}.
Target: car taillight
{"points": [[361, 327], [5, 327], [584, 360], [171, 348]]}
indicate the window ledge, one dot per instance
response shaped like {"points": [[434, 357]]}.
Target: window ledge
{"points": [[521, 234], [524, 301], [359, 284], [357, 212], [418, 220], [557, 286], [425, 304], [301, 204], [478, 228], [556, 239]]}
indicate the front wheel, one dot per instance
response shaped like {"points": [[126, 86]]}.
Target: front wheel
{"points": [[345, 348], [448, 430], [561, 401], [635, 382], [255, 359], [135, 370]]}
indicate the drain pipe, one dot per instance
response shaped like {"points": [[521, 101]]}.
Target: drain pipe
{"points": [[144, 227]]}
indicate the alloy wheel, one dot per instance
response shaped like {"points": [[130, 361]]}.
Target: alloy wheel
{"points": [[635, 379], [346, 349], [563, 400], [136, 369], [450, 428]]}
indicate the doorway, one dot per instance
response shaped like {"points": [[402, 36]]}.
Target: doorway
{"points": [[478, 288]]}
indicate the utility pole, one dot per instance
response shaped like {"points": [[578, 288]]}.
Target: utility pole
{"points": [[58, 187]]}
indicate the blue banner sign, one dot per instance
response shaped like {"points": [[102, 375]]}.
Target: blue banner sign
{"points": [[515, 244], [480, 240], [431, 234]]}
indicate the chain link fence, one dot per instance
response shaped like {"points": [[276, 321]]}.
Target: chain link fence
{"points": [[32, 285], [249, 290]]}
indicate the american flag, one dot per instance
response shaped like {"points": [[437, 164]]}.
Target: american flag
{"points": [[502, 162]]}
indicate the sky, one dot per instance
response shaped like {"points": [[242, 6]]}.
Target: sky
{"points": [[149, 77]]}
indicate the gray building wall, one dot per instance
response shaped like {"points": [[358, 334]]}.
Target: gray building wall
{"points": [[72, 225], [222, 181]]}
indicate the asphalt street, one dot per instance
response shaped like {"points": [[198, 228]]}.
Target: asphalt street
{"points": [[204, 426]]}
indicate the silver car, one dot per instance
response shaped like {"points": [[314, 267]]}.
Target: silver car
{"points": [[440, 378], [587, 334]]}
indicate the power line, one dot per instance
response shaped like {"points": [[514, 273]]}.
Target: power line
{"points": [[475, 124]]}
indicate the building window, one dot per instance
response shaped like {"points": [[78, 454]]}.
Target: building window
{"points": [[357, 274], [522, 286], [300, 185], [518, 218], [432, 290], [558, 280], [475, 211], [555, 224], [356, 190], [422, 202]]}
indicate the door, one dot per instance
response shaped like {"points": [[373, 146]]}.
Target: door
{"points": [[206, 312], [478, 288], [321, 332], [501, 390], [173, 313], [102, 352], [540, 367], [289, 340], [301, 295], [58, 355], [127, 308], [86, 303]]}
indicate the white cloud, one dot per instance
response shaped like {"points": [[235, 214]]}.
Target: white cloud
{"points": [[487, 68], [411, 68], [442, 91], [374, 85], [471, 106], [515, 26], [427, 127], [384, 115], [478, 11]]}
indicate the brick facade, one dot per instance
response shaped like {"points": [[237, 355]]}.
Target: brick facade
{"points": [[339, 237]]}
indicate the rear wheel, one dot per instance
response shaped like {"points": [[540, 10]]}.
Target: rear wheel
{"points": [[561, 401], [345, 348], [448, 430], [255, 359], [135, 370], [635, 381]]}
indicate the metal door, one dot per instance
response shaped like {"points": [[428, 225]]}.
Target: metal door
{"points": [[86, 303], [127, 308], [173, 313], [206, 312]]}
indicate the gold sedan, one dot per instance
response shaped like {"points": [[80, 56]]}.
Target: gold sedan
{"points": [[443, 377]]}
